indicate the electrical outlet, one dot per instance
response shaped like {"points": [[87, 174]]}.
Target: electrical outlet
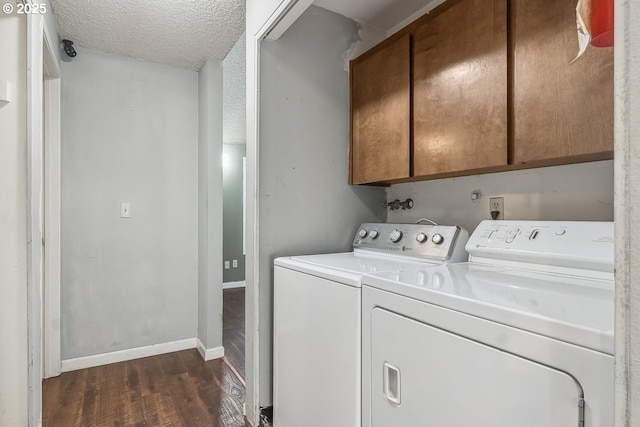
{"points": [[496, 204], [226, 265], [235, 263]]}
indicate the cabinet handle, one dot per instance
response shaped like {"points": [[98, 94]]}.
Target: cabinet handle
{"points": [[391, 376]]}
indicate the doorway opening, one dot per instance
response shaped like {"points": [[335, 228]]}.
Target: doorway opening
{"points": [[233, 301], [233, 201]]}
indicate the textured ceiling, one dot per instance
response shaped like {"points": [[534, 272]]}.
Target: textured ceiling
{"points": [[179, 33]]}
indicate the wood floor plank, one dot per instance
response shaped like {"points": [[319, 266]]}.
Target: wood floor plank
{"points": [[184, 401], [233, 324], [91, 396], [175, 389], [68, 398]]}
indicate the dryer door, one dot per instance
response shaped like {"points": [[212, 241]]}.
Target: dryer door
{"points": [[425, 376]]}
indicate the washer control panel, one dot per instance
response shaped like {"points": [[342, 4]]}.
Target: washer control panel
{"points": [[437, 242], [585, 245]]}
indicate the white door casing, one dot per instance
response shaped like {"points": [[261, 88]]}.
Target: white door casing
{"points": [[43, 126], [284, 15], [51, 294]]}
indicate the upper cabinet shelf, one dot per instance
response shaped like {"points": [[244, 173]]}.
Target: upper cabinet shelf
{"points": [[479, 86]]}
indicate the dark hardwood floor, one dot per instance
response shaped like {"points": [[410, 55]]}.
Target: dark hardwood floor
{"points": [[174, 389], [233, 328]]}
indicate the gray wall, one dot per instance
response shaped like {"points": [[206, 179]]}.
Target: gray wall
{"points": [[572, 192], [129, 134], [210, 204], [306, 205], [232, 220]]}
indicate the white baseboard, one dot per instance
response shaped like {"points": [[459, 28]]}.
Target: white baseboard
{"points": [[124, 355], [209, 353], [231, 285]]}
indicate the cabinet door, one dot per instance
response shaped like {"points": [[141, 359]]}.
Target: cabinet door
{"points": [[460, 88], [562, 110], [380, 114]]}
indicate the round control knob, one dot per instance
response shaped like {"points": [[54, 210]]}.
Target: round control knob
{"points": [[363, 233], [395, 236], [421, 238], [437, 239], [374, 234]]}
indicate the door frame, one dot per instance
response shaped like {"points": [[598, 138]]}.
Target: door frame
{"points": [[42, 61], [280, 20], [51, 168]]}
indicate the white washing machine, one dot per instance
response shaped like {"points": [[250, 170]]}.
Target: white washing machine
{"points": [[519, 336], [317, 318]]}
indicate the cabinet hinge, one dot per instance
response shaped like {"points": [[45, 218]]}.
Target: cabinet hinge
{"points": [[581, 412]]}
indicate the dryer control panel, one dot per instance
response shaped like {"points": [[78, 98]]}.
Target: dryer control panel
{"points": [[436, 242], [584, 245]]}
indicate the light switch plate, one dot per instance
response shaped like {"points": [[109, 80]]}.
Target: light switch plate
{"points": [[235, 263], [125, 210], [226, 265]]}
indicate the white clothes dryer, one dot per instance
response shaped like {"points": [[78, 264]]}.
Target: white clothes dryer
{"points": [[317, 318], [519, 336]]}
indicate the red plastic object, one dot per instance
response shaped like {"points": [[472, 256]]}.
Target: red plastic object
{"points": [[602, 23]]}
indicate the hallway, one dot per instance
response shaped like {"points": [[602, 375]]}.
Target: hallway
{"points": [[233, 329]]}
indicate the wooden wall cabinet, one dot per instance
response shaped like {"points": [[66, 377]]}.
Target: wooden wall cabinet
{"points": [[380, 113], [460, 88], [562, 110], [480, 86]]}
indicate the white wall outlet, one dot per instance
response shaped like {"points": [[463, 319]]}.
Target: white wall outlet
{"points": [[226, 265], [125, 210], [235, 263], [496, 204]]}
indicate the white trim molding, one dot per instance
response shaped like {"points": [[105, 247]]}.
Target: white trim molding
{"points": [[51, 182], [209, 353], [275, 25], [231, 285], [627, 202], [285, 18], [129, 354]]}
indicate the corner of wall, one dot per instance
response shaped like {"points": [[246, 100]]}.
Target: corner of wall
{"points": [[208, 354], [210, 92], [366, 38], [51, 29]]}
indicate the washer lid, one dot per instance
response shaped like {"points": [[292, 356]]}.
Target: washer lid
{"points": [[348, 267], [573, 309]]}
